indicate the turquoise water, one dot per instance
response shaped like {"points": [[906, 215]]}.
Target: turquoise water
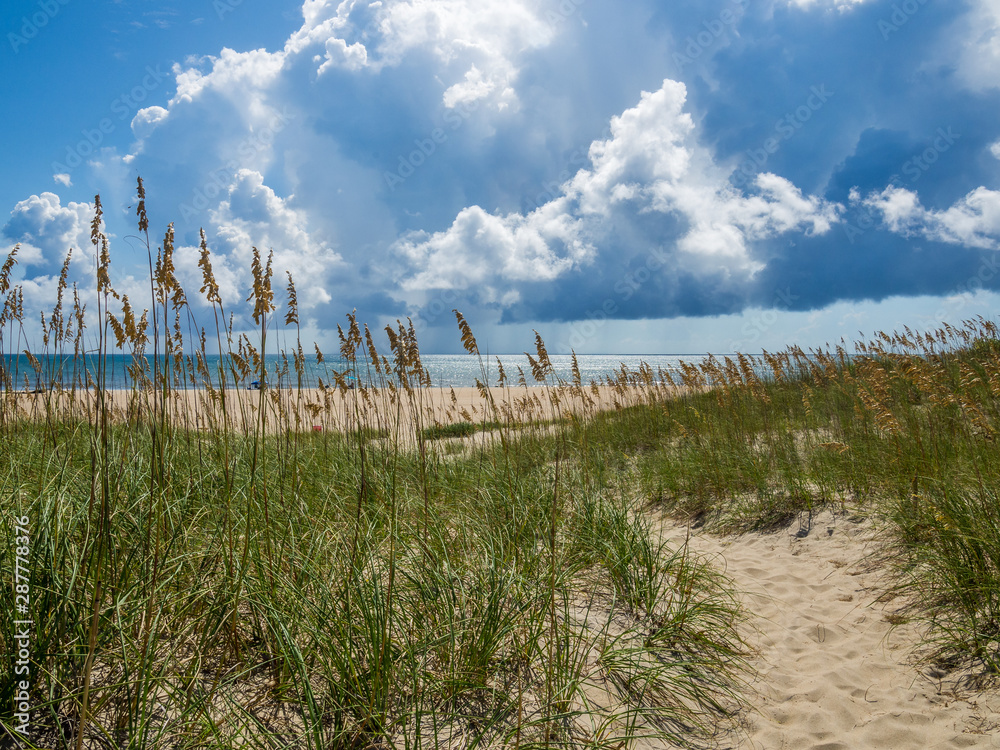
{"points": [[446, 370]]}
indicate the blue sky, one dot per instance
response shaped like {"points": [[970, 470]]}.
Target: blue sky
{"points": [[624, 177]]}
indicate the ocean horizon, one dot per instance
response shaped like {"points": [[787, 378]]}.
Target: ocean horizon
{"points": [[445, 370]]}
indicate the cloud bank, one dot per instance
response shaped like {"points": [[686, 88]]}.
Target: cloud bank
{"points": [[555, 160]]}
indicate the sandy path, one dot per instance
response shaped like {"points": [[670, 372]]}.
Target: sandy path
{"points": [[832, 673]]}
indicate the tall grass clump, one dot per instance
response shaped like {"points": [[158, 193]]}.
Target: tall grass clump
{"points": [[325, 567], [952, 541]]}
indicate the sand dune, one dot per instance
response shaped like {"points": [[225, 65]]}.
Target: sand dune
{"points": [[833, 674]]}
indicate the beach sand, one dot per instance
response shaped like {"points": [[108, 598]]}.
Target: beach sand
{"points": [[393, 411], [833, 673]]}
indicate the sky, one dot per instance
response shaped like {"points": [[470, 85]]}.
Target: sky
{"points": [[625, 177]]}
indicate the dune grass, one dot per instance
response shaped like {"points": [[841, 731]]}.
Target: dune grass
{"points": [[233, 578], [262, 584], [458, 429], [321, 601]]}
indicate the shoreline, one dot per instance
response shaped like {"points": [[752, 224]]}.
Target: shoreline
{"points": [[341, 410]]}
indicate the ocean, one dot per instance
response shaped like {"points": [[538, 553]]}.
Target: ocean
{"points": [[446, 370]]}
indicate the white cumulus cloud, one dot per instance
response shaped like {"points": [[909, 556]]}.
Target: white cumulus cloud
{"points": [[341, 54], [147, 119], [651, 163], [490, 252], [46, 230], [974, 221], [252, 215], [254, 110], [477, 43]]}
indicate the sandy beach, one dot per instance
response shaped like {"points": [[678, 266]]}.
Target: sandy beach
{"points": [[392, 410], [833, 672]]}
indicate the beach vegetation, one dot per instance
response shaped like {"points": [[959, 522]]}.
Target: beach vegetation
{"points": [[292, 567], [299, 567]]}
